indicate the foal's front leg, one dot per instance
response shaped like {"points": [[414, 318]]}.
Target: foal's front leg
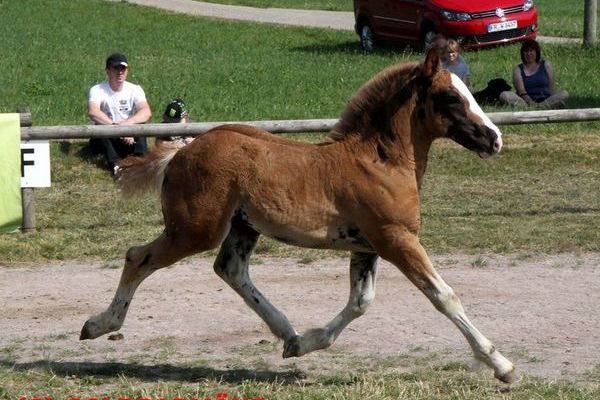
{"points": [[404, 250], [363, 269]]}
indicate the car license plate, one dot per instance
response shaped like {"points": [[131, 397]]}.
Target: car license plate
{"points": [[502, 26]]}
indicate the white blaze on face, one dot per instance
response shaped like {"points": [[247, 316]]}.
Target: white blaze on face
{"points": [[475, 109]]}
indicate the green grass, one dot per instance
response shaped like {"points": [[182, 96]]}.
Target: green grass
{"points": [[560, 18], [538, 195], [427, 380], [531, 197], [440, 383], [225, 70]]}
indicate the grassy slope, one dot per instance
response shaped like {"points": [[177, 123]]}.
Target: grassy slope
{"points": [[240, 71]]}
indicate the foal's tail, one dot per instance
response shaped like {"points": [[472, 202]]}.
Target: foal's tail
{"points": [[137, 175]]}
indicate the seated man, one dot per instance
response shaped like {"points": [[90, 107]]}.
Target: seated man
{"points": [[118, 102]]}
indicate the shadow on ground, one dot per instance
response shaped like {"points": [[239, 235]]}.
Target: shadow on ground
{"points": [[353, 47], [82, 149], [155, 372], [525, 213]]}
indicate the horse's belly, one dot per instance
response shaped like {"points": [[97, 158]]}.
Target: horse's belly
{"points": [[337, 237]]}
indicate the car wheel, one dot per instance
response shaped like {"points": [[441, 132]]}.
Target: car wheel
{"points": [[367, 38], [429, 35]]}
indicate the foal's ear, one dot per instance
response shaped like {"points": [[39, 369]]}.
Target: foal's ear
{"points": [[432, 63]]}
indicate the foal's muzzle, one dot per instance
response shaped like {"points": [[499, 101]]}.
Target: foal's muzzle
{"points": [[478, 138], [495, 143]]}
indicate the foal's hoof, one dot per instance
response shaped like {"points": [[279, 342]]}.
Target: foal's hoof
{"points": [[510, 377], [291, 347], [85, 333], [89, 331]]}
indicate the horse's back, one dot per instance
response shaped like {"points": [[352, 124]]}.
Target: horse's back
{"points": [[257, 133], [240, 158], [242, 148], [284, 187]]}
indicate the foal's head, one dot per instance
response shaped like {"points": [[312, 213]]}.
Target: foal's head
{"points": [[446, 108], [437, 103]]}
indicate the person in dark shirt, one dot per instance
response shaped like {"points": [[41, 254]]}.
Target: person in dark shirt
{"points": [[533, 80]]}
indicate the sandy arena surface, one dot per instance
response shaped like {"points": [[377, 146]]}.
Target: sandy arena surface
{"points": [[542, 312]]}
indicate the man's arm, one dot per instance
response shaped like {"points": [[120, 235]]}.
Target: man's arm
{"points": [[97, 115], [142, 115]]}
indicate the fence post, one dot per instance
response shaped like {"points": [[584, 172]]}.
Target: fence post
{"points": [[27, 194], [28, 198], [589, 23]]}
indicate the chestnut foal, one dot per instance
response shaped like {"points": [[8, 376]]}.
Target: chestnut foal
{"points": [[359, 191]]}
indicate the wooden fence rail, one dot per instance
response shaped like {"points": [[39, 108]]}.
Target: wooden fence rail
{"points": [[29, 132], [283, 126]]}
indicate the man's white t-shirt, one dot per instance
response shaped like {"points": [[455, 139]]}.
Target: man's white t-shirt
{"points": [[119, 105]]}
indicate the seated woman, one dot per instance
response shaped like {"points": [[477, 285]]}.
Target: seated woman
{"points": [[454, 62], [534, 81]]}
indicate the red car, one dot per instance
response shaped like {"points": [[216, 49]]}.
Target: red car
{"points": [[473, 23]]}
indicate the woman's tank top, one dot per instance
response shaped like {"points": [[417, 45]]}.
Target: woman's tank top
{"points": [[537, 85]]}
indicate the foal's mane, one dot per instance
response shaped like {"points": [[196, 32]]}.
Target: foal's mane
{"points": [[368, 112]]}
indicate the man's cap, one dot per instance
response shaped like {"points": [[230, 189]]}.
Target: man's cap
{"points": [[176, 110], [116, 59]]}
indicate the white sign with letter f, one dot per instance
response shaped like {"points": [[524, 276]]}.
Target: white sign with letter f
{"points": [[35, 163]]}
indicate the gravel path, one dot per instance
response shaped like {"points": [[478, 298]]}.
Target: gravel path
{"points": [[542, 312], [311, 18]]}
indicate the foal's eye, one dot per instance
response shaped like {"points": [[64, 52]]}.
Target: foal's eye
{"points": [[447, 101], [446, 97], [451, 97]]}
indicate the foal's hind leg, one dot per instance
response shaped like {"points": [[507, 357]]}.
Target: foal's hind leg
{"points": [[232, 266], [404, 250], [140, 262], [363, 269]]}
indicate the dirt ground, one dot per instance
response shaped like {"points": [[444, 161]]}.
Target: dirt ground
{"points": [[542, 312]]}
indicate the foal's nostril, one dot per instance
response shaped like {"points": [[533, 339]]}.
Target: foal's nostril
{"points": [[495, 140], [497, 145]]}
